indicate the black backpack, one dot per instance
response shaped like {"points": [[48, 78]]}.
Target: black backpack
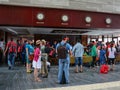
{"points": [[62, 51]]}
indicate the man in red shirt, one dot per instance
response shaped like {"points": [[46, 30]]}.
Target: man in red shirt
{"points": [[12, 50]]}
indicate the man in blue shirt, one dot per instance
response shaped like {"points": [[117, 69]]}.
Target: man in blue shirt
{"points": [[78, 51], [64, 63]]}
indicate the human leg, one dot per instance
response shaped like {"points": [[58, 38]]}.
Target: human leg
{"points": [[9, 61], [23, 59], [42, 68], [76, 64], [45, 66], [81, 64], [28, 65], [109, 63], [93, 61], [113, 63], [45, 69], [66, 69], [60, 70], [36, 78], [13, 59]]}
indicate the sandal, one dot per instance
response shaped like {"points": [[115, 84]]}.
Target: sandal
{"points": [[29, 71], [81, 71], [76, 71], [38, 80]]}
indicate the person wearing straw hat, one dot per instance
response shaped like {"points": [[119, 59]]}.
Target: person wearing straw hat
{"points": [[37, 61], [44, 69]]}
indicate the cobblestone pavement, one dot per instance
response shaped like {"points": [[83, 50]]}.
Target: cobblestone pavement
{"points": [[90, 79]]}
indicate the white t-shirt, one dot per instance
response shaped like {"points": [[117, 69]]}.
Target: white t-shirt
{"points": [[111, 52]]}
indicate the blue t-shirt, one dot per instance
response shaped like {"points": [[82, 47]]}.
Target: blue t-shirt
{"points": [[30, 48], [68, 46]]}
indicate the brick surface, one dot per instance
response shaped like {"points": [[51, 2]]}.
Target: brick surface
{"points": [[90, 79]]}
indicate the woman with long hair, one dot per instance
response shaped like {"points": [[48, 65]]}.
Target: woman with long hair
{"points": [[103, 55], [111, 55]]}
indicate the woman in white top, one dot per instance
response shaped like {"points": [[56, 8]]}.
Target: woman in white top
{"points": [[111, 55]]}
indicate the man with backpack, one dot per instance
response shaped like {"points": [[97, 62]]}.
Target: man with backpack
{"points": [[63, 49], [19, 51], [12, 50], [24, 53]]}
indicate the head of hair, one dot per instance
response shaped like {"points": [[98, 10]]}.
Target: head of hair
{"points": [[25, 41], [11, 39], [111, 45], [78, 40], [96, 40], [43, 42], [29, 41], [65, 38]]}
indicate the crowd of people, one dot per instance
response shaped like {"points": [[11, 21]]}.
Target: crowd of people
{"points": [[35, 54], [30, 54], [103, 53]]}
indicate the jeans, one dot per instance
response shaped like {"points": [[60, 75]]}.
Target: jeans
{"points": [[23, 58], [64, 65], [11, 59], [102, 60]]}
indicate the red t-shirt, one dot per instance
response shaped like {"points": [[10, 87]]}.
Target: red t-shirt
{"points": [[12, 46]]}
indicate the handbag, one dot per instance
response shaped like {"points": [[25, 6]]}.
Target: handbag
{"points": [[104, 69], [97, 58], [31, 56]]}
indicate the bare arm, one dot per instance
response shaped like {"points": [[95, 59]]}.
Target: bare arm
{"points": [[5, 50]]}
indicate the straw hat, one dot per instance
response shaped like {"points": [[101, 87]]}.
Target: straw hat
{"points": [[43, 40], [38, 42]]}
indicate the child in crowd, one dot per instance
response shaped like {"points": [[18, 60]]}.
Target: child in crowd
{"points": [[103, 55]]}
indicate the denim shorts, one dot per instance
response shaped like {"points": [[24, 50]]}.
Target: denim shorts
{"points": [[78, 61]]}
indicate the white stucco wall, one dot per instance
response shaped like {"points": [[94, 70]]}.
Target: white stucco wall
{"points": [[112, 6]]}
